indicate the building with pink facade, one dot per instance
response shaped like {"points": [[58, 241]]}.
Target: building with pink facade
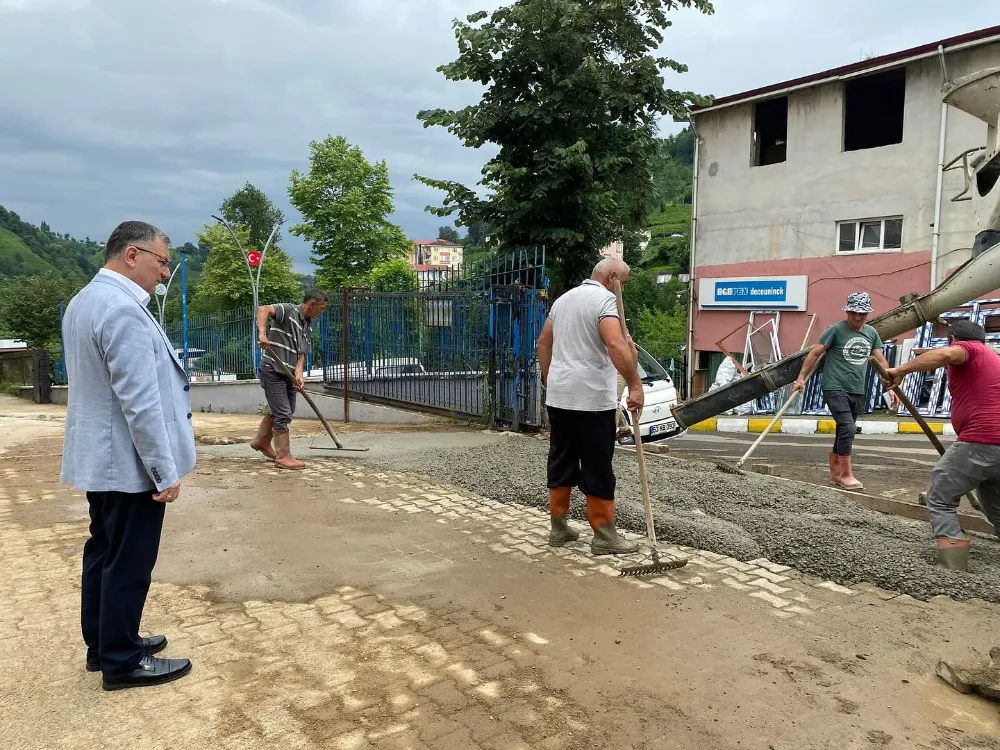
{"points": [[810, 189]]}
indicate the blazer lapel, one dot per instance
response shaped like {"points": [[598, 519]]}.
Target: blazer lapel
{"points": [[111, 281]]}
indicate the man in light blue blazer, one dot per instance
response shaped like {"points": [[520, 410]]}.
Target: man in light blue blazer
{"points": [[129, 440]]}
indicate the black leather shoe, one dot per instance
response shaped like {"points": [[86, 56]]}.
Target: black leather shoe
{"points": [[152, 645], [152, 671]]}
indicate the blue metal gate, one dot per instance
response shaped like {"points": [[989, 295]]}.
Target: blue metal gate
{"points": [[464, 348]]}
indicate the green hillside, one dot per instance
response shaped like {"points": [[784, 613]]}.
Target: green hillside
{"points": [[17, 259], [74, 260], [670, 238], [668, 219]]}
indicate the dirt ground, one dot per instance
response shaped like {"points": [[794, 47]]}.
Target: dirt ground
{"points": [[341, 607]]}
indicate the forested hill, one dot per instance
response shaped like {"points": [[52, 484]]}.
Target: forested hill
{"points": [[27, 250]]}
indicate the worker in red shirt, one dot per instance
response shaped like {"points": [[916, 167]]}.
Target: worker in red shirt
{"points": [[973, 461]]}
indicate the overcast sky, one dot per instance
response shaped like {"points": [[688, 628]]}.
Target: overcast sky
{"points": [[115, 109]]}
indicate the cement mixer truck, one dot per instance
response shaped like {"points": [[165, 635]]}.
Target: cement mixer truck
{"points": [[978, 95]]}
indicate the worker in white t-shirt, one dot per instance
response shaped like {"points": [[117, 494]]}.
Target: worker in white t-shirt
{"points": [[579, 350]]}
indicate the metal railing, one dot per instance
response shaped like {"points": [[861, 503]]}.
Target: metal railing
{"points": [[423, 349], [221, 345], [524, 268]]}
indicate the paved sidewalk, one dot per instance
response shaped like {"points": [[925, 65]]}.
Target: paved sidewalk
{"points": [[347, 608]]}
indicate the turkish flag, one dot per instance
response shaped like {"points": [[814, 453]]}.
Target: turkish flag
{"points": [[253, 258]]}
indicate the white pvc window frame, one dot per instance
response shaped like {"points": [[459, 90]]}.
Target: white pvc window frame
{"points": [[876, 235]]}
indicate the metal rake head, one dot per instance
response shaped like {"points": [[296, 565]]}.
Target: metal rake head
{"points": [[654, 568], [724, 467]]}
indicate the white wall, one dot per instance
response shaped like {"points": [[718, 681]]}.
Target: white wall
{"points": [[246, 396], [790, 210]]}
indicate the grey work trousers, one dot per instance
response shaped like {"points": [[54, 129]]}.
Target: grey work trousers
{"points": [[962, 468], [845, 409], [279, 392]]}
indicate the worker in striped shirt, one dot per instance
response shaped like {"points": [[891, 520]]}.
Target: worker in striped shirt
{"points": [[287, 339]]}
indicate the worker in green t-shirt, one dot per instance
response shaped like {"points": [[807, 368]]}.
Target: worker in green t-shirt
{"points": [[847, 346]]}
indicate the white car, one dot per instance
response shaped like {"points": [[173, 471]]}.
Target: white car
{"points": [[656, 420]]}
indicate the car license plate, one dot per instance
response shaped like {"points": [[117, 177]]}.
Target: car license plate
{"points": [[662, 427]]}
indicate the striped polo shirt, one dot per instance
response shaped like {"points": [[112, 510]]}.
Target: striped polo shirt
{"points": [[289, 333]]}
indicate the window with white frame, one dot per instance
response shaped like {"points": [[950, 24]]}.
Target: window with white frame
{"points": [[870, 235]]}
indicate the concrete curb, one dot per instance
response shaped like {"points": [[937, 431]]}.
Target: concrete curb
{"points": [[812, 426]]}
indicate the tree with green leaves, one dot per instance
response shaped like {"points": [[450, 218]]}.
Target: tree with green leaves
{"points": [[394, 276], [344, 201], [449, 234], [35, 323], [573, 94], [249, 207], [224, 283]]}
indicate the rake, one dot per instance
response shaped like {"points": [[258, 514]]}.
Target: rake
{"points": [[305, 394], [912, 410], [657, 566]]}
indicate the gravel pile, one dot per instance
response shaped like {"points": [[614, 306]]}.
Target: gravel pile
{"points": [[813, 529]]}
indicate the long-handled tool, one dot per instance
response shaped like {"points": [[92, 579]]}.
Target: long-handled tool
{"points": [[305, 394], [784, 408], [918, 418], [770, 426], [657, 566]]}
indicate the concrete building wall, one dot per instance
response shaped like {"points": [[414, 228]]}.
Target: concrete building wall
{"points": [[781, 219]]}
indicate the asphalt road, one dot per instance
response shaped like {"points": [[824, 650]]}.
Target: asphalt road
{"points": [[896, 466]]}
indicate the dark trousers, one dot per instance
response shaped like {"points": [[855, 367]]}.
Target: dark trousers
{"points": [[118, 562], [280, 394], [845, 409], [581, 449]]}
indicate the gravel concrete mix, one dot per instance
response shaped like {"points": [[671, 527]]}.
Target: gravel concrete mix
{"points": [[813, 529]]}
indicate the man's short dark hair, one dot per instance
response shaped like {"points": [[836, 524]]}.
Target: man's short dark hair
{"points": [[966, 330], [131, 233], [315, 295]]}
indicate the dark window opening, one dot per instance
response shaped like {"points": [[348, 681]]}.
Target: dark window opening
{"points": [[873, 110], [770, 131], [987, 176]]}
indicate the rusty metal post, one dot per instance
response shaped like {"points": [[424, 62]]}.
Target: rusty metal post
{"points": [[345, 358]]}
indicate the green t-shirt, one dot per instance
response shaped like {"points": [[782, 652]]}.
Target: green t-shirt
{"points": [[847, 355]]}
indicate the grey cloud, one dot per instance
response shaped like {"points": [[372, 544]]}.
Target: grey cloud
{"points": [[116, 108]]}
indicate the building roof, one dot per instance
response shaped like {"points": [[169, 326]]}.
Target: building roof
{"points": [[438, 242], [894, 59]]}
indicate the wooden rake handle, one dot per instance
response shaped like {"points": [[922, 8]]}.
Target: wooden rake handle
{"points": [[917, 417], [637, 438]]}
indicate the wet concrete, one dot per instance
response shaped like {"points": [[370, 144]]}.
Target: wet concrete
{"points": [[813, 529]]}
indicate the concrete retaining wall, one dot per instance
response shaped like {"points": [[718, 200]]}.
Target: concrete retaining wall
{"points": [[246, 397]]}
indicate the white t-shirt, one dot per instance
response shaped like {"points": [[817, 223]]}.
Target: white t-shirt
{"points": [[582, 375]]}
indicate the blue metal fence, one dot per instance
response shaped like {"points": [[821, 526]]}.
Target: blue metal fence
{"points": [[464, 345], [221, 345], [468, 353]]}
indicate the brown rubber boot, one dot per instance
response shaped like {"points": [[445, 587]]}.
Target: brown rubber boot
{"points": [[834, 468], [284, 458], [561, 532], [953, 554], [846, 478], [265, 433], [607, 540]]}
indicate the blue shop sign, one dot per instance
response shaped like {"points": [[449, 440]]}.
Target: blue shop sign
{"points": [[753, 293]]}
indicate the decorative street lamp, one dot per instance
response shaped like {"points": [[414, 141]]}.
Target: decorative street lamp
{"points": [[253, 259], [161, 299]]}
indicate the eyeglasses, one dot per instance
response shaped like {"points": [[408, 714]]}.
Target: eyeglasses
{"points": [[164, 262]]}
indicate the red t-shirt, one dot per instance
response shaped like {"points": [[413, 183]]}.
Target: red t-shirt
{"points": [[975, 394]]}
